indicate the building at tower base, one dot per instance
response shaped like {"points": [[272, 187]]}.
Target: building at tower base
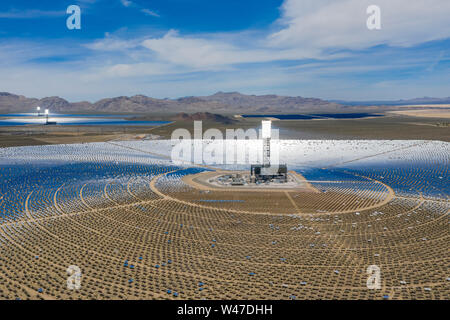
{"points": [[260, 173]]}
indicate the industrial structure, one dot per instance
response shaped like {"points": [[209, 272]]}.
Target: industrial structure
{"points": [[266, 171], [46, 118]]}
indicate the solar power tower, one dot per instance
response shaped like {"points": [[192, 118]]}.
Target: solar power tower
{"points": [[266, 135], [266, 171]]}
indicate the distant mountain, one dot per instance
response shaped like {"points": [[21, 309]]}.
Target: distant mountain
{"points": [[220, 102], [12, 103], [417, 101], [270, 103], [203, 116]]}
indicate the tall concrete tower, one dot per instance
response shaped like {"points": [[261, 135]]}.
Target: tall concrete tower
{"points": [[266, 135], [267, 171]]}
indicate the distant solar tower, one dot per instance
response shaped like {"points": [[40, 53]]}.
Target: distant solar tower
{"points": [[38, 111], [266, 135], [46, 116]]}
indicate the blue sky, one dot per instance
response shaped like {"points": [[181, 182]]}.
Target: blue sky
{"points": [[174, 48]]}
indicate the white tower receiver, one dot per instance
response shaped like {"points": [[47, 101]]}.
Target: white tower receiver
{"points": [[266, 135]]}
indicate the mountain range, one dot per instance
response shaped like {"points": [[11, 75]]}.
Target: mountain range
{"points": [[232, 102], [220, 102]]}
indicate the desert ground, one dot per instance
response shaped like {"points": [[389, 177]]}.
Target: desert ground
{"points": [[426, 113], [392, 126], [122, 214], [109, 202]]}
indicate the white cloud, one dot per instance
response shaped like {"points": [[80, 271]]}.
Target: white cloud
{"points": [[126, 3], [191, 51], [311, 29], [210, 52], [130, 70], [113, 44], [342, 24], [149, 12], [29, 14]]}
